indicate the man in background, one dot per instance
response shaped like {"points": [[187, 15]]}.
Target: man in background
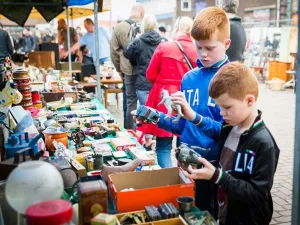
{"points": [[119, 40], [78, 30], [48, 38], [26, 41], [62, 36], [162, 31], [89, 40], [36, 39], [237, 31]]}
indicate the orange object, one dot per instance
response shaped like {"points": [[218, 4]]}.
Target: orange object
{"points": [[278, 70], [150, 188], [38, 105], [61, 137], [54, 86]]}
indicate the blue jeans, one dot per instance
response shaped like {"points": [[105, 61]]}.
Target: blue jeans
{"points": [[142, 96], [163, 151]]}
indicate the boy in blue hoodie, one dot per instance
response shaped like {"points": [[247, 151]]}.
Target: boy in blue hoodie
{"points": [[202, 121]]}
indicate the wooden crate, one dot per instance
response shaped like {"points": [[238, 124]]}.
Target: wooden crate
{"points": [[43, 59], [278, 70]]}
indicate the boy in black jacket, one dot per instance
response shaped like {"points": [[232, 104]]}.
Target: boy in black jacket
{"points": [[248, 153]]}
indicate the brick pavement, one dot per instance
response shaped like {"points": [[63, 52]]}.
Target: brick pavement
{"points": [[279, 114]]}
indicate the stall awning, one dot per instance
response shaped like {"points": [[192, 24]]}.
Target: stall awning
{"points": [[19, 11]]}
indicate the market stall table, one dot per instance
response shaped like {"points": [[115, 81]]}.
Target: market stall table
{"points": [[107, 90]]}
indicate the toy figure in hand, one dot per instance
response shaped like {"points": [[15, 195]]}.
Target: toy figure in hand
{"points": [[187, 156], [170, 105], [145, 114]]}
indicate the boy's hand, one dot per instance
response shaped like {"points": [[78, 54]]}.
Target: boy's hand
{"points": [[179, 98], [204, 173]]}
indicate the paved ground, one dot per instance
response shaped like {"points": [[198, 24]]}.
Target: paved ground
{"points": [[279, 114]]}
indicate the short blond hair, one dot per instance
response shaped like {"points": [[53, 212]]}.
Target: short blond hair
{"points": [[184, 25], [235, 79], [149, 22], [208, 21]]}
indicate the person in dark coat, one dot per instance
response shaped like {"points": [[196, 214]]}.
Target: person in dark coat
{"points": [[26, 41], [6, 48], [237, 31], [139, 52], [48, 38], [166, 70]]}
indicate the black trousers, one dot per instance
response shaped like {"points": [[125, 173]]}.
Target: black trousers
{"points": [[206, 197]]}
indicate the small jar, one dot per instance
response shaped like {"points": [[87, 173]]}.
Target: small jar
{"points": [[51, 212], [89, 163], [110, 123]]}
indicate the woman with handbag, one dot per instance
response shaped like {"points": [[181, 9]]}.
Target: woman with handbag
{"points": [[169, 63]]}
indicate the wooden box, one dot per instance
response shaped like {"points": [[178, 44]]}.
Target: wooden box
{"points": [[93, 199], [56, 96], [278, 70], [43, 59]]}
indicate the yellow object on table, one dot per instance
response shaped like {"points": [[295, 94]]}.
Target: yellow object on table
{"points": [[80, 158], [104, 219]]}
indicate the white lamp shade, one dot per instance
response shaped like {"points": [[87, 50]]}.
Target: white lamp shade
{"points": [[32, 182]]}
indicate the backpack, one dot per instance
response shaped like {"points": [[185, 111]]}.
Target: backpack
{"points": [[135, 28]]}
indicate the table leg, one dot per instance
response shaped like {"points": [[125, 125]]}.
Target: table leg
{"points": [[117, 98], [105, 97]]}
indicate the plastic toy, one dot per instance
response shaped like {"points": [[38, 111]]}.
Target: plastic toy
{"points": [[170, 105], [187, 156], [145, 114]]}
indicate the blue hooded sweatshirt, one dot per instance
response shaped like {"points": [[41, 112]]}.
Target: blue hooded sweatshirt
{"points": [[204, 136]]}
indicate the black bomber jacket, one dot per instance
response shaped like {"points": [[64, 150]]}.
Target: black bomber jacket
{"points": [[248, 185]]}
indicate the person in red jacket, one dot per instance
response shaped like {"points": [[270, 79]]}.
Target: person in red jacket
{"points": [[165, 71]]}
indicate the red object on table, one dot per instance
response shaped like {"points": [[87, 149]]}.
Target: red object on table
{"points": [[35, 96], [134, 134], [49, 212]]}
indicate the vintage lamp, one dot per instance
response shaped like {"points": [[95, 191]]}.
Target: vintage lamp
{"points": [[32, 182]]}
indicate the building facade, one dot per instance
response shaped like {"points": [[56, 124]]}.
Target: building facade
{"points": [[249, 11]]}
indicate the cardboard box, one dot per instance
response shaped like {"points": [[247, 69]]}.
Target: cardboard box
{"points": [[122, 143], [150, 188]]}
